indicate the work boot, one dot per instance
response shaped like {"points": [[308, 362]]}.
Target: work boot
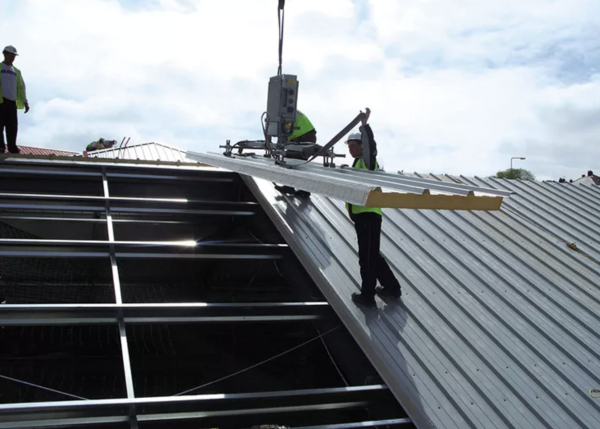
{"points": [[361, 299], [387, 292], [289, 190]]}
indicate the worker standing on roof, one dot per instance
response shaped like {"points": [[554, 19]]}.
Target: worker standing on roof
{"points": [[304, 131], [367, 223], [13, 96]]}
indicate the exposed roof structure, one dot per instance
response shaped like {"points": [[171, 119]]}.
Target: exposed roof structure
{"points": [[498, 325], [144, 294], [365, 188]]}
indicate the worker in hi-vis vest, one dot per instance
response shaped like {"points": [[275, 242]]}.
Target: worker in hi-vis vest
{"points": [[100, 144], [13, 97], [304, 131], [304, 137], [367, 223]]}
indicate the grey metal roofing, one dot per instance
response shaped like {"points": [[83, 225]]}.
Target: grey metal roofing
{"points": [[144, 151], [499, 324], [357, 186]]}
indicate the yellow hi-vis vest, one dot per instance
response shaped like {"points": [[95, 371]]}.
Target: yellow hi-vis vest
{"points": [[301, 126], [20, 92], [360, 163]]}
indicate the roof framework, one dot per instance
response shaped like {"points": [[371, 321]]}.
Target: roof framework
{"points": [[91, 216]]}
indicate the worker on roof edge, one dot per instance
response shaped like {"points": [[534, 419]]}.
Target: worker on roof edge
{"points": [[367, 223], [13, 97], [100, 144], [304, 133]]}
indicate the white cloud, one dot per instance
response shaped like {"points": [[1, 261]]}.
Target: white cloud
{"points": [[455, 87]]}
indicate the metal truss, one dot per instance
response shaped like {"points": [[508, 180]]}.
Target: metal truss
{"points": [[106, 210], [177, 409], [138, 249], [96, 314]]}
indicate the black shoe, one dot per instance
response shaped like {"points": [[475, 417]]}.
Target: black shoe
{"points": [[303, 194], [286, 189], [381, 291], [360, 299]]}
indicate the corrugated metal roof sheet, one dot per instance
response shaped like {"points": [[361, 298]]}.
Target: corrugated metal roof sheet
{"points": [[144, 151], [565, 210], [499, 325], [365, 188]]}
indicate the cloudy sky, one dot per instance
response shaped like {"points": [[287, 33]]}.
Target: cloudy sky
{"points": [[455, 87]]}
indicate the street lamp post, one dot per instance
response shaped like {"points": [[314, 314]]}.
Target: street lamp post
{"points": [[515, 157]]}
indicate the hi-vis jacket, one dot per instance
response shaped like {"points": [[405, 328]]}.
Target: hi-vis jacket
{"points": [[301, 126], [20, 88], [368, 161]]}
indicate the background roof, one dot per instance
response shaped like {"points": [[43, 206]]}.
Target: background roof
{"points": [[29, 150], [145, 151]]}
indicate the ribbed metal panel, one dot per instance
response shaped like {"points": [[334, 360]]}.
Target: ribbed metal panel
{"points": [[145, 152], [565, 210], [499, 325], [361, 187]]}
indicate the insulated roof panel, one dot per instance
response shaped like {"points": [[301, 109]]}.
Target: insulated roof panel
{"points": [[364, 188]]}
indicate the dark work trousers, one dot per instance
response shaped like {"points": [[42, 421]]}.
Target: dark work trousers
{"points": [[8, 120], [373, 265]]}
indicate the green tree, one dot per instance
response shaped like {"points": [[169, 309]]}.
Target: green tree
{"points": [[515, 173]]}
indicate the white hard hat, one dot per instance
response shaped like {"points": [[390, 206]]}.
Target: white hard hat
{"points": [[11, 49], [354, 136]]}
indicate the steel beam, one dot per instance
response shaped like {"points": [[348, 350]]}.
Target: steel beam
{"points": [[93, 220], [389, 422], [123, 205], [132, 417], [93, 314], [62, 219], [137, 210], [53, 172], [146, 173], [137, 200], [139, 249], [200, 175], [196, 407]]}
